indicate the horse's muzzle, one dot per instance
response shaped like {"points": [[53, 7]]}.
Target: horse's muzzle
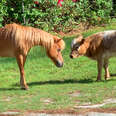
{"points": [[59, 64]]}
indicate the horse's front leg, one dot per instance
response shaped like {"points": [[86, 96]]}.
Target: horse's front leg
{"points": [[21, 61]]}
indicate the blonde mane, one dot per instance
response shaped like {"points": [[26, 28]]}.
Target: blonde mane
{"points": [[28, 35]]}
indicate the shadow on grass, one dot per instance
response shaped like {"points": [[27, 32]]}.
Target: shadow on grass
{"points": [[9, 89], [113, 75], [68, 81]]}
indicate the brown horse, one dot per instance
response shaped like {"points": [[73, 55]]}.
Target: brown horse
{"points": [[17, 40]]}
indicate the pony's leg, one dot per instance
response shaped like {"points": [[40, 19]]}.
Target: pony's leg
{"points": [[99, 66], [107, 74], [21, 61]]}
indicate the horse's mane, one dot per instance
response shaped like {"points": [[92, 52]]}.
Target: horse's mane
{"points": [[29, 35]]}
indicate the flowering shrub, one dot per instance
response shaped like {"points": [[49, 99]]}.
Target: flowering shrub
{"points": [[60, 2], [75, 0], [54, 15]]}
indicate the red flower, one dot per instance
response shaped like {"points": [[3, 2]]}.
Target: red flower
{"points": [[75, 0], [36, 2], [60, 2]]}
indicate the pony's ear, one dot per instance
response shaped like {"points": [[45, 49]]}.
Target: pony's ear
{"points": [[82, 41], [80, 38]]}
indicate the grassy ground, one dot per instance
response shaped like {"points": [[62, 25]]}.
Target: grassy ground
{"points": [[51, 87]]}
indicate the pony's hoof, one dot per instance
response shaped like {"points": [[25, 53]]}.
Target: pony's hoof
{"points": [[25, 88], [108, 78], [98, 80]]}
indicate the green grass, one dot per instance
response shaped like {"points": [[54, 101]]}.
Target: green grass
{"points": [[49, 82]]}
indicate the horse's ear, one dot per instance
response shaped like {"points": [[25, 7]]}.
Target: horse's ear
{"points": [[56, 39], [60, 42]]}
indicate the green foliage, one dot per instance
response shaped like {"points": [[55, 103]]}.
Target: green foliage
{"points": [[3, 11], [47, 15]]}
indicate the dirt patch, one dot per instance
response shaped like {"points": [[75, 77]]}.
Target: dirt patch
{"points": [[108, 101], [74, 94], [60, 111], [46, 100], [82, 27], [75, 111]]}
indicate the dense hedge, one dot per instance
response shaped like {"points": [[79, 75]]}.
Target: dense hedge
{"points": [[47, 15]]}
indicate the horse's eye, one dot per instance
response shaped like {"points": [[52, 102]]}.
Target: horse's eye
{"points": [[58, 50]]}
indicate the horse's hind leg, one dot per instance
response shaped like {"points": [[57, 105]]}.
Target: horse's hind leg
{"points": [[21, 61]]}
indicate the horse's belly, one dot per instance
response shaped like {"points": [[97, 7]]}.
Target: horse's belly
{"points": [[6, 53], [6, 49]]}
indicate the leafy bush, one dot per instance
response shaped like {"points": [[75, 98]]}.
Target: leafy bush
{"points": [[47, 15], [3, 11]]}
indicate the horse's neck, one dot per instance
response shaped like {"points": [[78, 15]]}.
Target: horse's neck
{"points": [[41, 38]]}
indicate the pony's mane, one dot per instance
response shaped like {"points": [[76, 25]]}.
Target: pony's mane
{"points": [[32, 36]]}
